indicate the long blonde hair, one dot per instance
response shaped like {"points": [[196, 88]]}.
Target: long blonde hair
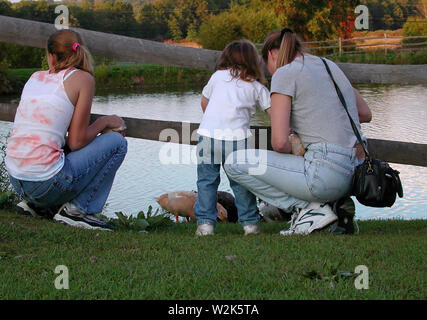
{"points": [[69, 50], [288, 44]]}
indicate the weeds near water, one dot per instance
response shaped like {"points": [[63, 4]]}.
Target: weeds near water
{"points": [[7, 196], [142, 222]]}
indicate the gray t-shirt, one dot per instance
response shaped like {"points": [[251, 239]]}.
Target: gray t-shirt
{"points": [[317, 114]]}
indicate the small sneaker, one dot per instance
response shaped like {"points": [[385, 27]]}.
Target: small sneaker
{"points": [[69, 215], [205, 229], [345, 209], [315, 217], [251, 229], [28, 209]]}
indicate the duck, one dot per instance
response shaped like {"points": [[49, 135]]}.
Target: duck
{"points": [[297, 146], [181, 204]]}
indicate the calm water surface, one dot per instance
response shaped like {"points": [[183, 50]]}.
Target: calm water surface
{"points": [[399, 113]]}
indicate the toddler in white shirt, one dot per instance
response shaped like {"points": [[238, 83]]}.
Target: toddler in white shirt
{"points": [[229, 101]]}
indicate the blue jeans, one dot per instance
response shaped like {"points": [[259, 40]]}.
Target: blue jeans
{"points": [[323, 174], [85, 179], [211, 154]]}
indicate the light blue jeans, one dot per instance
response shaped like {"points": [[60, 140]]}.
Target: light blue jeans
{"points": [[323, 174], [85, 179], [211, 154]]}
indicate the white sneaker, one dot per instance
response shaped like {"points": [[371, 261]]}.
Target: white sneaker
{"points": [[251, 229], [205, 229], [315, 217]]}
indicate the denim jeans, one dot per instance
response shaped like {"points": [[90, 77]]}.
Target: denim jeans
{"points": [[323, 174], [85, 179], [211, 154]]}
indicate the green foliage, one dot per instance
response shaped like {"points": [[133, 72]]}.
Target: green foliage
{"points": [[6, 199], [5, 7], [135, 76], [5, 82], [250, 21], [141, 222], [44, 64], [415, 57], [390, 14], [22, 56], [317, 20], [415, 27], [7, 196]]}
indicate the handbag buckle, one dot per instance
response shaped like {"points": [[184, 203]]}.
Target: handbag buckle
{"points": [[369, 170]]}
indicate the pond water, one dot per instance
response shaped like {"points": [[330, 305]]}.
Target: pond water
{"points": [[399, 113]]}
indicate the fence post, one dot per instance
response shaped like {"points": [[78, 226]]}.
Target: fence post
{"points": [[385, 43], [340, 45]]}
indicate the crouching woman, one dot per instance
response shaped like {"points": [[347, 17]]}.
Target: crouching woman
{"points": [[303, 97], [54, 102]]}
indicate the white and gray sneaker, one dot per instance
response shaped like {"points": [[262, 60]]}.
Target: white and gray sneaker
{"points": [[205, 229], [69, 215], [315, 217]]}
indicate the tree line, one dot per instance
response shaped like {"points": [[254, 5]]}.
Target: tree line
{"points": [[211, 23], [204, 20]]}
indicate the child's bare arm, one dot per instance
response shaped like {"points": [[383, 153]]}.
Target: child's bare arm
{"points": [[204, 103]]}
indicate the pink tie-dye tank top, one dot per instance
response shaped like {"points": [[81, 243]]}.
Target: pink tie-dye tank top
{"points": [[34, 149]]}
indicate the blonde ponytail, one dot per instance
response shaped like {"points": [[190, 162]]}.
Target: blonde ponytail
{"points": [[288, 44], [67, 46]]}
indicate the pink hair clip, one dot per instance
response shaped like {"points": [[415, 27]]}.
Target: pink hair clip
{"points": [[75, 46]]}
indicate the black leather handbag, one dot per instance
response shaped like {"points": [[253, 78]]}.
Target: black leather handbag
{"points": [[375, 183]]}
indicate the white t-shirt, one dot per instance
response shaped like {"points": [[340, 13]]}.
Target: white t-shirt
{"points": [[232, 102]]}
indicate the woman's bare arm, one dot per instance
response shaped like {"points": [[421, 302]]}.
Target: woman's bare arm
{"points": [[365, 114], [81, 87], [280, 113]]}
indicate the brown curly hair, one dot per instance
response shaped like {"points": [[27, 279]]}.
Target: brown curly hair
{"points": [[243, 60]]}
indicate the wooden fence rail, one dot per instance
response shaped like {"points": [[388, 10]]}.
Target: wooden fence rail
{"points": [[387, 41], [391, 151], [35, 34]]}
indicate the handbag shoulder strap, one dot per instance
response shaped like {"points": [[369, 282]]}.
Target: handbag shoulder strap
{"points": [[341, 97]]}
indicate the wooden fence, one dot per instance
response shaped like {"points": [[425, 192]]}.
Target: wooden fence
{"points": [[345, 46], [391, 151], [384, 43], [121, 48]]}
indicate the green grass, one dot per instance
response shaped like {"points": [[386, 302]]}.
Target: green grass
{"points": [[415, 57], [171, 263], [129, 76]]}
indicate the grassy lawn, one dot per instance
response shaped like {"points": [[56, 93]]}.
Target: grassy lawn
{"points": [[130, 76], [415, 57], [171, 263]]}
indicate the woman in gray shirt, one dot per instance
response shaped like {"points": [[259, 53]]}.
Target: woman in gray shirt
{"points": [[303, 98]]}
